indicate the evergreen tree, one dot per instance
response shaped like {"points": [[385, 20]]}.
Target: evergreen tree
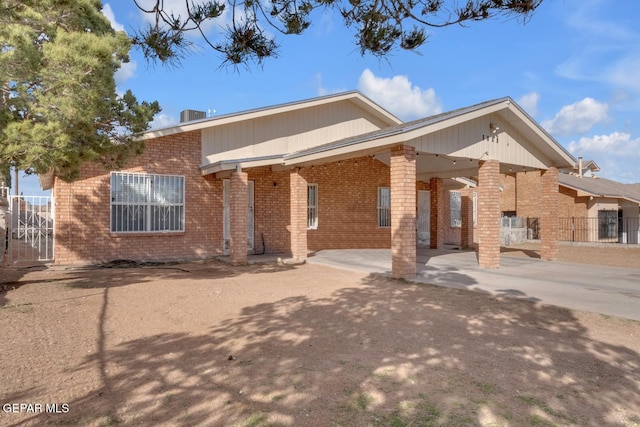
{"points": [[379, 25], [59, 107]]}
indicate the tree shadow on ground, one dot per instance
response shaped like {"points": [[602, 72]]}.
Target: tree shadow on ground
{"points": [[380, 352]]}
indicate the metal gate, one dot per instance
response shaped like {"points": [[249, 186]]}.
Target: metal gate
{"points": [[30, 236]]}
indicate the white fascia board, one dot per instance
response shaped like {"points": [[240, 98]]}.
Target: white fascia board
{"points": [[230, 165], [546, 137]]}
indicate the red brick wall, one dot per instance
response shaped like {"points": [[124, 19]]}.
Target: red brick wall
{"points": [[488, 228], [403, 212], [298, 196], [528, 190], [508, 193], [238, 216], [549, 215], [271, 210], [570, 205], [82, 210], [347, 204]]}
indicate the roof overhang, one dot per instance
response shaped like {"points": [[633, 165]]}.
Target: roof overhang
{"points": [[353, 96], [582, 192], [239, 164], [47, 179], [406, 133]]}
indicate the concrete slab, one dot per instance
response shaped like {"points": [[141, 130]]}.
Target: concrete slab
{"points": [[608, 290]]}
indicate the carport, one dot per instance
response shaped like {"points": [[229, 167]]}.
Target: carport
{"points": [[608, 290], [480, 142]]}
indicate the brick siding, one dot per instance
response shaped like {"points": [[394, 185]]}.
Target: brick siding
{"points": [[549, 215], [488, 227], [403, 212], [82, 210]]}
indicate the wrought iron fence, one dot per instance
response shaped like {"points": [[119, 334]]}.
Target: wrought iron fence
{"points": [[604, 228]]}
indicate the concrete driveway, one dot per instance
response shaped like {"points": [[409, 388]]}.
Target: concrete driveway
{"points": [[607, 290]]}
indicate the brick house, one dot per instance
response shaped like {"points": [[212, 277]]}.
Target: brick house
{"points": [[590, 208], [331, 172]]}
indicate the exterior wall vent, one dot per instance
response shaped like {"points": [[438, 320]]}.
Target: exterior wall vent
{"points": [[191, 115]]}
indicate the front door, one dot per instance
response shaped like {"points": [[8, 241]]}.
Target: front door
{"points": [[424, 217], [226, 196]]}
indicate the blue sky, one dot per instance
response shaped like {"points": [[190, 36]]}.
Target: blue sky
{"points": [[574, 67]]}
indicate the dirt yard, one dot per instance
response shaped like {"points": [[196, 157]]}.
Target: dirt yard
{"points": [[211, 345]]}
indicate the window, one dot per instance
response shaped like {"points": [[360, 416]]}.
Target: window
{"points": [[312, 206], [142, 203], [607, 224], [475, 208], [384, 207], [455, 208]]}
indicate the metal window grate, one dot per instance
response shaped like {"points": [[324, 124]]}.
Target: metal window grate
{"points": [[455, 208], [384, 207], [312, 206], [144, 203]]}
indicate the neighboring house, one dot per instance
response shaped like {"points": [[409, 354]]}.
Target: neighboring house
{"points": [[331, 172], [590, 208]]}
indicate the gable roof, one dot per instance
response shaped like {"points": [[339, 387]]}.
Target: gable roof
{"points": [[405, 132], [353, 96], [601, 187]]}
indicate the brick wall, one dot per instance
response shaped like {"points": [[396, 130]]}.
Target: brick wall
{"points": [[298, 214], [347, 204], [438, 213], [238, 216], [403, 212], [508, 193], [528, 190], [82, 210], [549, 215], [570, 205], [488, 227], [347, 208], [271, 210]]}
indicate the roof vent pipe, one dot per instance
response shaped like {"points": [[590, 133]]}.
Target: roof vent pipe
{"points": [[580, 166]]}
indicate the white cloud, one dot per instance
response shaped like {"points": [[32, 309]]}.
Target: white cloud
{"points": [[618, 143], [126, 71], [529, 103], [618, 154], [322, 91], [577, 118], [108, 13], [399, 96], [163, 121]]}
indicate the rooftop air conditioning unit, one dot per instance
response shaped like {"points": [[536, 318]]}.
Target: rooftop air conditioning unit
{"points": [[191, 115]]}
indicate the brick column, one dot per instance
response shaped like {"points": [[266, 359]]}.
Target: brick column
{"points": [[437, 222], [403, 212], [549, 215], [298, 204], [466, 233], [488, 224], [239, 206]]}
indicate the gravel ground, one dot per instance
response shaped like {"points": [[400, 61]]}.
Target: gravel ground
{"points": [[207, 344]]}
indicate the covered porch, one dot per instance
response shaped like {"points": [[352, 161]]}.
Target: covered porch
{"points": [[478, 143]]}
